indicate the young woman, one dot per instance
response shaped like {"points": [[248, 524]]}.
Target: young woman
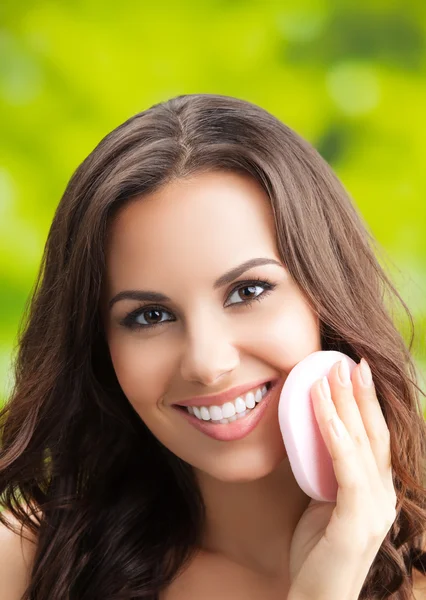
{"points": [[199, 253]]}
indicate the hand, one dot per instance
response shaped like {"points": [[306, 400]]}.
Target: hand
{"points": [[334, 544]]}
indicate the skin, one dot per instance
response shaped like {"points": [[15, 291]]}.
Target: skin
{"points": [[204, 347], [259, 523]]}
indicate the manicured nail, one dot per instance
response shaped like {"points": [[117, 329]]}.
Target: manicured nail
{"points": [[344, 374], [366, 376], [325, 387]]}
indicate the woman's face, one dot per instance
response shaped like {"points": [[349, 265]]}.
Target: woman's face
{"points": [[204, 338]]}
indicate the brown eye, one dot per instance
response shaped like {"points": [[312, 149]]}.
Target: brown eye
{"points": [[152, 316], [148, 317], [251, 290], [144, 318]]}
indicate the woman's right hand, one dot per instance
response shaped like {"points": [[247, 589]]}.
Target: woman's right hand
{"points": [[334, 544]]}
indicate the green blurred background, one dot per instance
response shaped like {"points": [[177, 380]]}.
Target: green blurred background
{"points": [[348, 76]]}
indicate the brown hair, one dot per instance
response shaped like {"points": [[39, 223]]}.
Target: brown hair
{"points": [[72, 443]]}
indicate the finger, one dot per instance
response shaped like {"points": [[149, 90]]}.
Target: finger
{"points": [[354, 488], [342, 394], [374, 420]]}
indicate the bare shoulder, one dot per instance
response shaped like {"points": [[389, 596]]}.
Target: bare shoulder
{"points": [[16, 557], [419, 580], [419, 585]]}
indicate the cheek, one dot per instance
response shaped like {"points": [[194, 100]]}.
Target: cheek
{"points": [[141, 371], [288, 335]]}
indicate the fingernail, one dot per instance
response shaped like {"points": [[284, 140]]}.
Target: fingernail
{"points": [[325, 386], [344, 375], [366, 376]]}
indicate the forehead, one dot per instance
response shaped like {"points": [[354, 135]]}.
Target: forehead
{"points": [[212, 220]]}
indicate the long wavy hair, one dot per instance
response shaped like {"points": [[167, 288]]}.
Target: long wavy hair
{"points": [[115, 514]]}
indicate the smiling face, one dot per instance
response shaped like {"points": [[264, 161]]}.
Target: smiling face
{"points": [[204, 335]]}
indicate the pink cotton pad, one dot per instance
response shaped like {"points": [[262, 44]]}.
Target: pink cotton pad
{"points": [[309, 458]]}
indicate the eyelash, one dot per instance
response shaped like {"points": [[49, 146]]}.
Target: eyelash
{"points": [[129, 320]]}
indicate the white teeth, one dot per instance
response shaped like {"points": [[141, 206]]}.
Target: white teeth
{"points": [[250, 403], [240, 405], [230, 411], [229, 420], [205, 415], [215, 413], [240, 415]]}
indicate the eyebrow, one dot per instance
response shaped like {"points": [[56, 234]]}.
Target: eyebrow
{"points": [[227, 277]]}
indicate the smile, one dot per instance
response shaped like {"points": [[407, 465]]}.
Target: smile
{"points": [[230, 411], [242, 421]]}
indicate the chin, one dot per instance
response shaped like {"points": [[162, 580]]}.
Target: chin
{"points": [[239, 469]]}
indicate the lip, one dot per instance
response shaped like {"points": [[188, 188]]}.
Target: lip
{"points": [[238, 429], [228, 396]]}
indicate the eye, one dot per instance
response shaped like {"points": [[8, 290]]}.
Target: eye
{"points": [[151, 315], [147, 317], [252, 287]]}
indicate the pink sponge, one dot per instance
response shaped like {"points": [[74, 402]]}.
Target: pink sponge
{"points": [[309, 458]]}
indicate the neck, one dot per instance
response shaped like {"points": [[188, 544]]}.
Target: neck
{"points": [[252, 523]]}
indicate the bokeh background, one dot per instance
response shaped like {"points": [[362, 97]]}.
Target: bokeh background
{"points": [[348, 76]]}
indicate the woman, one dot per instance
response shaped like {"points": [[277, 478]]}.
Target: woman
{"points": [[143, 330]]}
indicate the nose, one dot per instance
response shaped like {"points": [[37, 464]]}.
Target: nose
{"points": [[208, 354]]}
